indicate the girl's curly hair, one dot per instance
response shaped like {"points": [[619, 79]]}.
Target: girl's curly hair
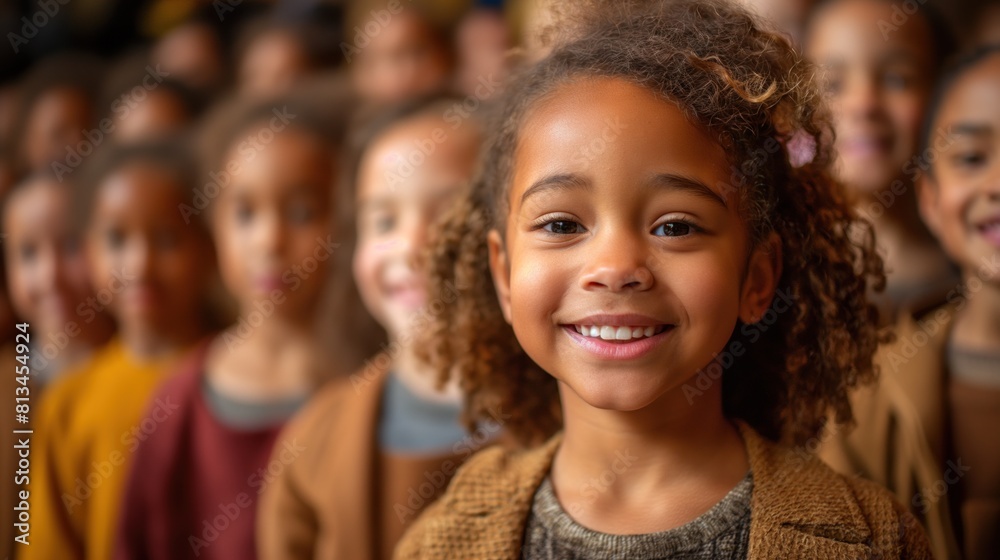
{"points": [[757, 96]]}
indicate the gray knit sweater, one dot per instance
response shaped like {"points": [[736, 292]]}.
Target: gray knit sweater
{"points": [[722, 532]]}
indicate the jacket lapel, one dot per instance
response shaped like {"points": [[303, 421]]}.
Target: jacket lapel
{"points": [[800, 508]]}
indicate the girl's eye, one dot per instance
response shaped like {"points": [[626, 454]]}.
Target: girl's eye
{"points": [[562, 227], [243, 213], [28, 252], [300, 213], [114, 239], [895, 80], [832, 86], [384, 224], [969, 159], [165, 240], [71, 245], [672, 229], [379, 222]]}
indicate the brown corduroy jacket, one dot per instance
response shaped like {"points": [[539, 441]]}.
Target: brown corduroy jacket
{"points": [[901, 435], [329, 501], [295, 519], [799, 509]]}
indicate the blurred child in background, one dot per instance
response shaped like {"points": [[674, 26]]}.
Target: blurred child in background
{"points": [[786, 16], [194, 54], [48, 278], [56, 112], [372, 441], [929, 430], [483, 46], [277, 56], [145, 103], [165, 111], [395, 52], [150, 269], [270, 200], [878, 81]]}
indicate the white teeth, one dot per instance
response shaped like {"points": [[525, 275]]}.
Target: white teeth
{"points": [[615, 333]]}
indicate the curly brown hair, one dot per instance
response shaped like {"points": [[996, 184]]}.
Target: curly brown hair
{"points": [[755, 94]]}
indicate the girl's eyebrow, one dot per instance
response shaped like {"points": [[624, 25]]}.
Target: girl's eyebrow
{"points": [[970, 129], [557, 182], [377, 202], [669, 181]]}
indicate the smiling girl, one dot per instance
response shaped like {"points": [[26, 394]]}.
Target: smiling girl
{"points": [[624, 260], [933, 418], [878, 80]]}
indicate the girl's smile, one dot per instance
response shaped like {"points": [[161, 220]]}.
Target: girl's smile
{"points": [[618, 337]]}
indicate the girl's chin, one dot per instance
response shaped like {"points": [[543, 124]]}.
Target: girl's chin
{"points": [[614, 394]]}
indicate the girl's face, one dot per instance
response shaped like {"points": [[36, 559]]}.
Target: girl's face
{"points": [[272, 65], [46, 269], [403, 60], [626, 261], [397, 204], [160, 114], [960, 200], [57, 121], [272, 224], [878, 86], [143, 254]]}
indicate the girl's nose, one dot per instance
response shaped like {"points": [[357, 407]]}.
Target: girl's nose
{"points": [[617, 263], [860, 99], [270, 234], [993, 184], [414, 242], [139, 258], [50, 270]]}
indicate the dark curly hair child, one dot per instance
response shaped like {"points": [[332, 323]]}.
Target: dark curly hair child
{"points": [[670, 290]]}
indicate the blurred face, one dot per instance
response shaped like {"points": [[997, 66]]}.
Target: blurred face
{"points": [[272, 65], [483, 43], [397, 205], [142, 251], [161, 113], [961, 199], [623, 272], [786, 15], [46, 269], [57, 121], [272, 224], [403, 61], [191, 53], [878, 87]]}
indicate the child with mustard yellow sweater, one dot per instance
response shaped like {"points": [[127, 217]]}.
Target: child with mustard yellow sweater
{"points": [[150, 270]]}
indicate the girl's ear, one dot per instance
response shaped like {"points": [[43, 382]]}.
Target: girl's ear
{"points": [[500, 269], [927, 203], [763, 274]]}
